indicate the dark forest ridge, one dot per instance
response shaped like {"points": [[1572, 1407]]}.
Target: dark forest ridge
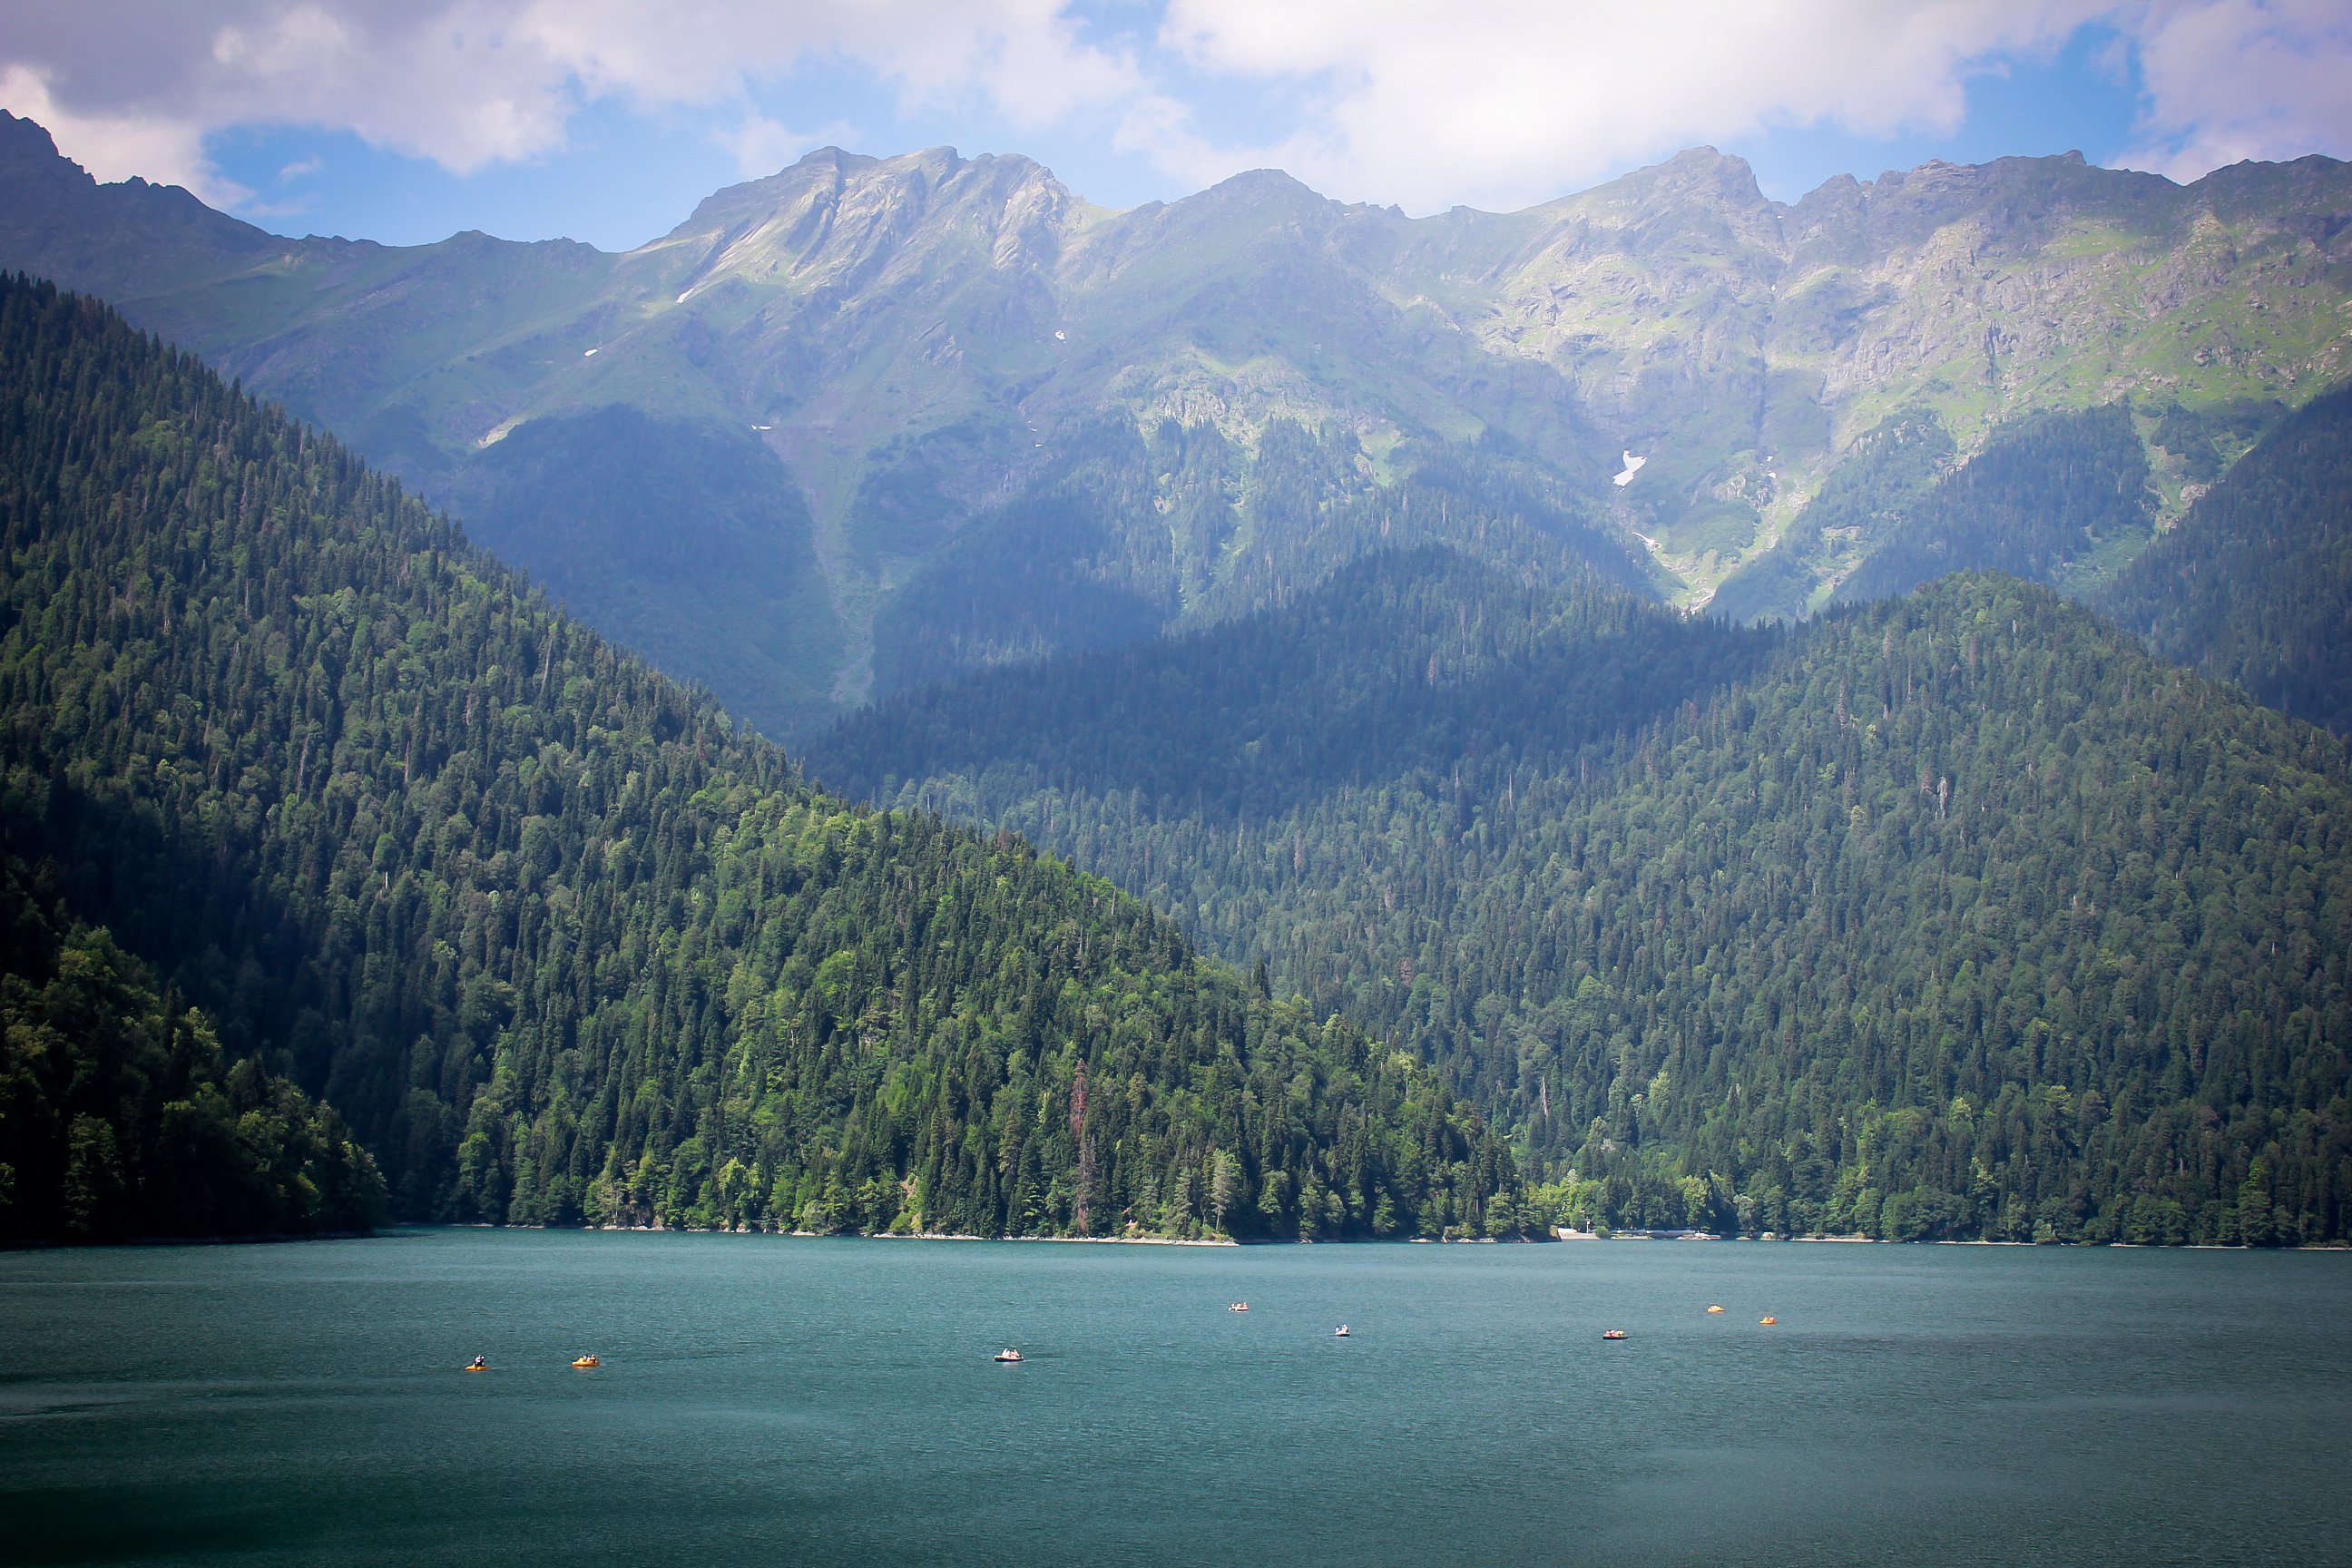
{"points": [[1956, 915], [560, 942]]}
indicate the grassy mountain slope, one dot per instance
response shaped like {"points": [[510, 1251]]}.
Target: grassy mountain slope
{"points": [[927, 343], [1953, 915], [560, 944], [2254, 585]]}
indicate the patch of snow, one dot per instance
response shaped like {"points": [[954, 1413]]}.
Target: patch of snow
{"points": [[1061, 337], [1632, 466], [682, 299], [592, 354], [762, 427]]}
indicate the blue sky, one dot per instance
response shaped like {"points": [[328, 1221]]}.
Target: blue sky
{"points": [[405, 121]]}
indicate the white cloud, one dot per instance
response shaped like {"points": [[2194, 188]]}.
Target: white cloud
{"points": [[117, 146], [2244, 79], [1426, 102], [1430, 102], [468, 83], [762, 145]]}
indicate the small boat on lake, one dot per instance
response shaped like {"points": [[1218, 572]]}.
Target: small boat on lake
{"points": [[1714, 1310], [477, 1365], [1238, 1307], [1340, 1332], [1008, 1353], [1612, 1333], [1768, 1322], [585, 1362]]}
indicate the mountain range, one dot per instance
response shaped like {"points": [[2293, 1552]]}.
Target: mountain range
{"points": [[839, 391]]}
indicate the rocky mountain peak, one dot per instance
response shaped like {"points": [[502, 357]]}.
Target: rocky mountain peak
{"points": [[1696, 174], [28, 151]]}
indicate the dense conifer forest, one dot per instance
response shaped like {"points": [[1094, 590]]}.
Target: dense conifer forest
{"points": [[120, 1118], [2254, 585], [1958, 915], [559, 942], [687, 545], [2044, 500], [2066, 499], [1887, 473], [1128, 533]]}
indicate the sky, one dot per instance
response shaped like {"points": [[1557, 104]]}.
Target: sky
{"points": [[406, 120]]}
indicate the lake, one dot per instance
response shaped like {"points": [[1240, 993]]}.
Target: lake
{"points": [[772, 1399]]}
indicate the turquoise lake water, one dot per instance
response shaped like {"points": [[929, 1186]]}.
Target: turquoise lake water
{"points": [[769, 1399]]}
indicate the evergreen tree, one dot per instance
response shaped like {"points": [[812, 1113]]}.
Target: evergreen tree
{"points": [[558, 941], [2254, 584], [118, 1117], [1953, 915]]}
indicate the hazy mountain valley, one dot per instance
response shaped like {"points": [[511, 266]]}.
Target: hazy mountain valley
{"points": [[896, 372]]}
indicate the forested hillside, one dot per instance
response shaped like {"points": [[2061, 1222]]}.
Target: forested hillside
{"points": [[1417, 663], [1127, 534], [2063, 498], [687, 545], [1884, 477], [119, 1117], [1954, 915], [2254, 584], [559, 943], [2041, 502]]}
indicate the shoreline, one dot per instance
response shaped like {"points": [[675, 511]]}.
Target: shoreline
{"points": [[43, 1243]]}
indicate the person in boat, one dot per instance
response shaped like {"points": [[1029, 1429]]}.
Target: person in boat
{"points": [[479, 1364]]}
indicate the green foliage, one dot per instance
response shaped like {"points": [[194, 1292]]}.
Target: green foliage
{"points": [[688, 543], [2254, 584], [1127, 535], [560, 944], [918, 374], [1952, 916], [1417, 663], [117, 1118], [2206, 441], [1886, 474], [2051, 499]]}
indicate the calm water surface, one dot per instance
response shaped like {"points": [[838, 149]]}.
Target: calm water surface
{"points": [[778, 1400]]}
